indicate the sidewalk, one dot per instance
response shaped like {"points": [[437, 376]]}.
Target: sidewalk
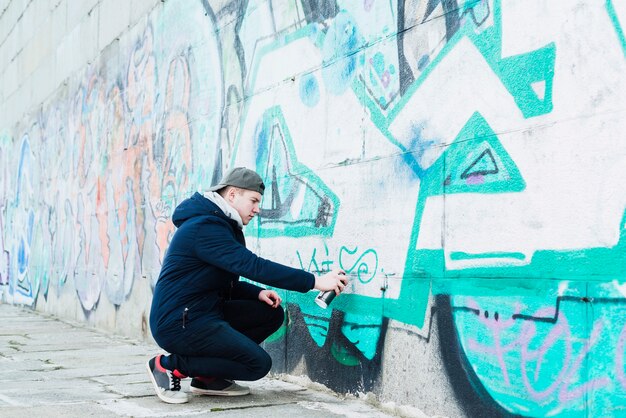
{"points": [[57, 368]]}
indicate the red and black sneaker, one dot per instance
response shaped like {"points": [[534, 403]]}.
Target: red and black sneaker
{"points": [[166, 383]]}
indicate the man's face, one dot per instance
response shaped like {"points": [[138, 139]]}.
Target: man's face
{"points": [[245, 202]]}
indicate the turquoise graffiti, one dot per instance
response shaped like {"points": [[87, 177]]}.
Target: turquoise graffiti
{"points": [[296, 201], [475, 162], [616, 10], [547, 358], [472, 162], [309, 90], [491, 170], [504, 332], [362, 330]]}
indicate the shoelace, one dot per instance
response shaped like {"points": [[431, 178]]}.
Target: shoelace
{"points": [[175, 382]]}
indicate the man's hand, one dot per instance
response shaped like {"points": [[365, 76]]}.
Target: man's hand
{"points": [[333, 280], [270, 297]]}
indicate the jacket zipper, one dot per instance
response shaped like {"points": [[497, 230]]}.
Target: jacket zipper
{"points": [[186, 311]]}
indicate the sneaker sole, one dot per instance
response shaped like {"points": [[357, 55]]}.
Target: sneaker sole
{"points": [[218, 392], [158, 393]]}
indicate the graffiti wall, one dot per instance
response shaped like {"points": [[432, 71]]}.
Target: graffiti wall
{"points": [[462, 160]]}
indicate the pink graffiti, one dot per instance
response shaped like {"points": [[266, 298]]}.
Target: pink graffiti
{"points": [[497, 329], [141, 96], [619, 358], [566, 395], [115, 154], [385, 79], [533, 354], [561, 332], [475, 179]]}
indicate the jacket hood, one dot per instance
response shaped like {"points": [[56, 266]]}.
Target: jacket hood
{"points": [[196, 205], [228, 210]]}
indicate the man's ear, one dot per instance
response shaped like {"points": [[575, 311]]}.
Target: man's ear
{"points": [[230, 194]]}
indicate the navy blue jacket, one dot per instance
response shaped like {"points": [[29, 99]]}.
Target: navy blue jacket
{"points": [[204, 261]]}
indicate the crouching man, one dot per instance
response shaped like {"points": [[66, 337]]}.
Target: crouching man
{"points": [[210, 322]]}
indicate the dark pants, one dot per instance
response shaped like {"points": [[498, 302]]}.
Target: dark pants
{"points": [[227, 347]]}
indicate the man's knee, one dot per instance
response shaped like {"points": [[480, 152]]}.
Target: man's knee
{"points": [[278, 317], [262, 365]]}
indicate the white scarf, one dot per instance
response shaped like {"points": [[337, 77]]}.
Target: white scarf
{"points": [[225, 207]]}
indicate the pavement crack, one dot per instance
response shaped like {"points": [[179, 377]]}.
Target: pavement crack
{"points": [[234, 408], [47, 369]]}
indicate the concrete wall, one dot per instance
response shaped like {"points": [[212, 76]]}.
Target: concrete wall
{"points": [[463, 160]]}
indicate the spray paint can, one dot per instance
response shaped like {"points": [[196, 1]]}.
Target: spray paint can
{"points": [[324, 298]]}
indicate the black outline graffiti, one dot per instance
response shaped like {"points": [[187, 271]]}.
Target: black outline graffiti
{"points": [[467, 173], [469, 391], [239, 10], [320, 10], [453, 21], [364, 377], [405, 73], [279, 206], [472, 12], [548, 319]]}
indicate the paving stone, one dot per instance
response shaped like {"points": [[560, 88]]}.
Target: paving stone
{"points": [[54, 368]]}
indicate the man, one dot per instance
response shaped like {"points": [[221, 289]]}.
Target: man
{"points": [[208, 320]]}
